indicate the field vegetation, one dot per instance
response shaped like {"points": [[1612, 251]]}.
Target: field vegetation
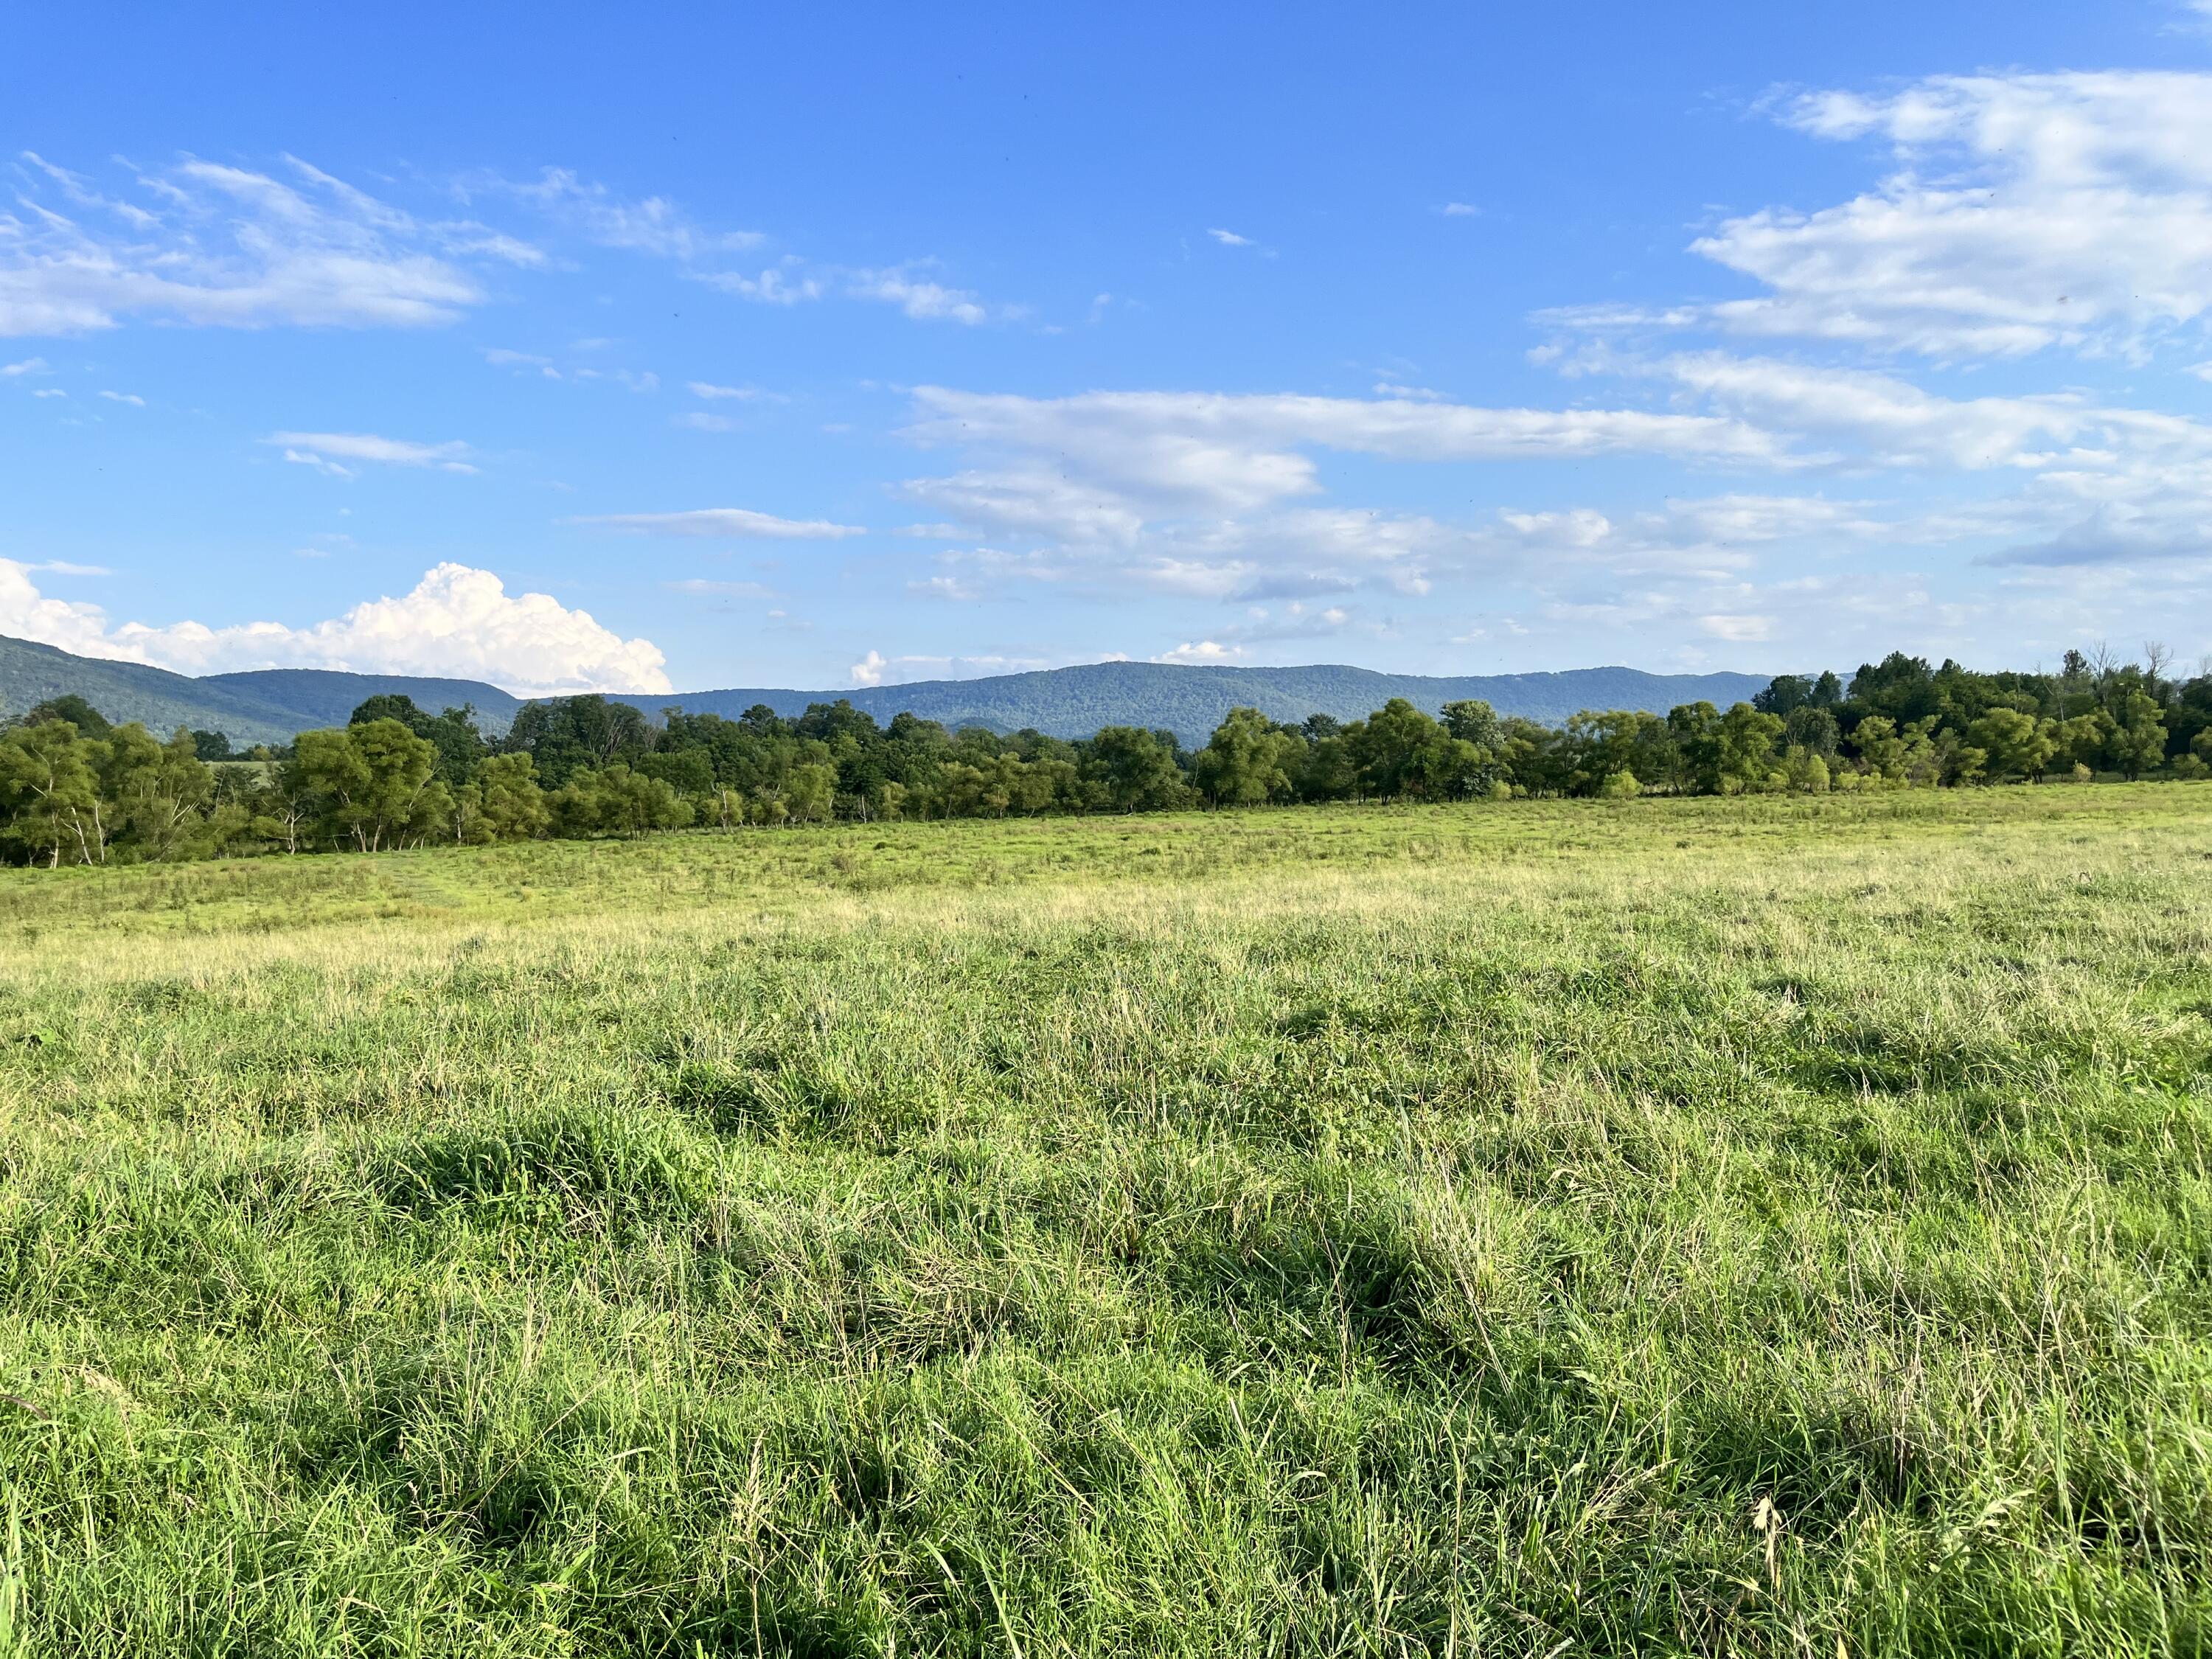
{"points": [[76, 790], [1776, 1224]]}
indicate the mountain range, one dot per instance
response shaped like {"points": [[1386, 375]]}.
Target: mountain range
{"points": [[273, 705]]}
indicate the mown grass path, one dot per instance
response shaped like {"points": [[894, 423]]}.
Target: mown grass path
{"points": [[1710, 1226]]}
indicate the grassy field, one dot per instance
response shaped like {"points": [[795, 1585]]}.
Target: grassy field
{"points": [[1771, 1226]]}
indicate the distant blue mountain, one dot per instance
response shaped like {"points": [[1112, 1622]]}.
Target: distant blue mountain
{"points": [[1073, 702], [271, 705]]}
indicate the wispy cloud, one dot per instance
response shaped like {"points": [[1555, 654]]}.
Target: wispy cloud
{"points": [[704, 587], [2024, 212], [226, 247], [328, 451], [919, 298], [722, 522]]}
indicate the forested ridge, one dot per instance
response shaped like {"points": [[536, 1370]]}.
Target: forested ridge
{"points": [[275, 705], [76, 789]]}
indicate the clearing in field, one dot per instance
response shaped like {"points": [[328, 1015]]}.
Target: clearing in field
{"points": [[1757, 1226]]}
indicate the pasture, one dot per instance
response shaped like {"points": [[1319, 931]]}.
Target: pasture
{"points": [[1774, 1225]]}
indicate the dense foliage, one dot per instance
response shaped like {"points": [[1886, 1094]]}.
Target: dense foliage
{"points": [[76, 790]]}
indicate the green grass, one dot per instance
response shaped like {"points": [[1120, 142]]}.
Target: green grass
{"points": [[1759, 1226]]}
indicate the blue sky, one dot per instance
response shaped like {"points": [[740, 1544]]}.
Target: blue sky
{"points": [[688, 346]]}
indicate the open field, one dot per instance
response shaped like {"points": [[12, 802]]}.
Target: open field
{"points": [[1774, 1225]]}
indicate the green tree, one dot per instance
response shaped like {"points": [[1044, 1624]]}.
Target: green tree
{"points": [[49, 793], [1387, 748], [1744, 740], [1244, 762], [72, 709], [1128, 769], [162, 794], [614, 800], [372, 783], [501, 803], [2016, 744], [566, 735], [2137, 741]]}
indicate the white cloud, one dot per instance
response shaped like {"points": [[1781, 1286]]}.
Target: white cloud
{"points": [[225, 246], [708, 389], [920, 299], [700, 420], [944, 587], [1029, 501], [1230, 238], [722, 521], [1193, 651], [1202, 478], [456, 621], [29, 365], [877, 669], [130, 398], [50, 391], [2027, 211], [1892, 422], [651, 225], [1229, 452], [1738, 630], [328, 451], [1459, 210], [783, 285]]}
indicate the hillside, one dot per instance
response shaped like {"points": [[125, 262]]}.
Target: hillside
{"points": [[1072, 702], [162, 701], [272, 705], [323, 696]]}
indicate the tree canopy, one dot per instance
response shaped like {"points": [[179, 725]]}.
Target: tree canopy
{"points": [[76, 789]]}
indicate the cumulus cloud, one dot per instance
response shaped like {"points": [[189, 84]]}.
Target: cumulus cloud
{"points": [[328, 451], [1202, 651], [455, 622], [2027, 211], [29, 365], [219, 246], [731, 522], [1230, 238]]}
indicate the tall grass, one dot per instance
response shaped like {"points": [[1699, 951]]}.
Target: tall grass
{"points": [[1663, 1226]]}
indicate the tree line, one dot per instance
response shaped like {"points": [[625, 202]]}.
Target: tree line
{"points": [[76, 789]]}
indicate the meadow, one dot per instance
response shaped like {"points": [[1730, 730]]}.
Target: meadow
{"points": [[1769, 1225]]}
